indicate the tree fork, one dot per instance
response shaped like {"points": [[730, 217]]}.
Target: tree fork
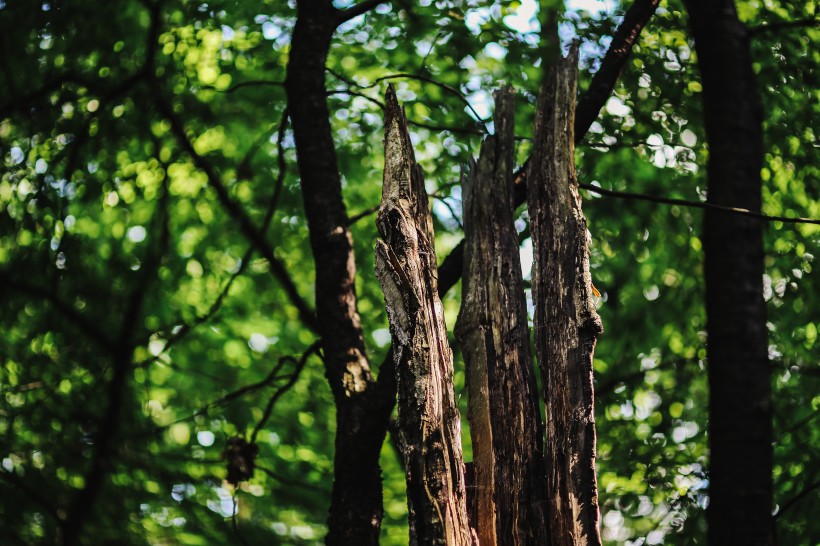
{"points": [[566, 324]]}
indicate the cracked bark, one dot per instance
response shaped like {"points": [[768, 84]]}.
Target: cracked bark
{"points": [[507, 435], [429, 421], [566, 324], [740, 418]]}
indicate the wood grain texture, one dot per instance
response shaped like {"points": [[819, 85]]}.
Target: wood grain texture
{"points": [[566, 324], [505, 424], [429, 421]]}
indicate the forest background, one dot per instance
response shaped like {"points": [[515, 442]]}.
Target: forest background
{"points": [[158, 279]]}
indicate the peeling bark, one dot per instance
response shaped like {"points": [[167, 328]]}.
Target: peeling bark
{"points": [[505, 423], [429, 421], [566, 324]]}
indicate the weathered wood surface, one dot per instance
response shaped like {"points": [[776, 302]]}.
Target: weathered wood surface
{"points": [[505, 424], [429, 421], [566, 324]]}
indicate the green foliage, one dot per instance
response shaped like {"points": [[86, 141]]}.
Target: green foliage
{"points": [[103, 207]]}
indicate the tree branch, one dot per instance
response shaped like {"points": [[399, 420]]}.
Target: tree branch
{"points": [[797, 498], [698, 205], [77, 319], [784, 25], [32, 493], [361, 8], [117, 388], [294, 376], [254, 235], [604, 80], [180, 331]]}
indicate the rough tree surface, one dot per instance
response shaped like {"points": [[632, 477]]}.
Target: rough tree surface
{"points": [[429, 422], [505, 423], [566, 324]]}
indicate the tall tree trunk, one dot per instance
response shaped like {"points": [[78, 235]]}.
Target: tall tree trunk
{"points": [[356, 503], [740, 421], [429, 420], [566, 324], [505, 423]]}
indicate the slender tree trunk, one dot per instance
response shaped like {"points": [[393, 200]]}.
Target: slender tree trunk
{"points": [[566, 324], [429, 420], [505, 423], [740, 421], [356, 503]]}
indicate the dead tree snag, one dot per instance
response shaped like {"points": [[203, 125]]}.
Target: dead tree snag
{"points": [[505, 424], [429, 421], [566, 324]]}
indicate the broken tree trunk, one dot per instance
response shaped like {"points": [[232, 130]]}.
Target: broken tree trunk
{"points": [[566, 324], [429, 422], [505, 424]]}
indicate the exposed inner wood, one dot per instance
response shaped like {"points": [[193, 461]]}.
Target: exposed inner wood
{"points": [[429, 421], [566, 324], [505, 424]]}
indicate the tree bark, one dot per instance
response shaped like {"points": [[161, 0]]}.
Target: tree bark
{"points": [[566, 324], [356, 502], [740, 418], [505, 423], [429, 421]]}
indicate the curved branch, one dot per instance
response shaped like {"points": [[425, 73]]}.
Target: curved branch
{"points": [[614, 60], [407, 76], [294, 376]]}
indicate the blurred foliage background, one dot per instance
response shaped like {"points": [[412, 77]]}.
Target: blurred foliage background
{"points": [[114, 249]]}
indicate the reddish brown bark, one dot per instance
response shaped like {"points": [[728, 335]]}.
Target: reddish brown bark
{"points": [[505, 423]]}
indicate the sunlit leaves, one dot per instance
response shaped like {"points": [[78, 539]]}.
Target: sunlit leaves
{"points": [[90, 167]]}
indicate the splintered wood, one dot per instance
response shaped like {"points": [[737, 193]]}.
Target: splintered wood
{"points": [[531, 483], [566, 324], [508, 499], [429, 421]]}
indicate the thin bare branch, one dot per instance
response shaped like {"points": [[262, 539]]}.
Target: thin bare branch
{"points": [[797, 498], [364, 214], [182, 330], [698, 205], [407, 76], [809, 22], [299, 365], [251, 232]]}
